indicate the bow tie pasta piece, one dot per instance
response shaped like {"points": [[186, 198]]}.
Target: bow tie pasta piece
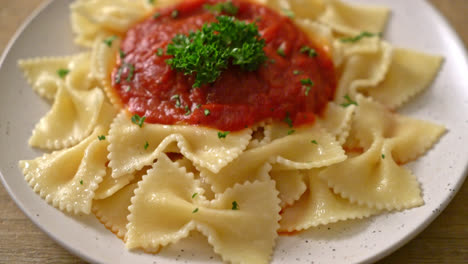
{"points": [[412, 137], [109, 185], [374, 179], [410, 73], [46, 75], [290, 184], [302, 9], [242, 219], [363, 71], [113, 210], [129, 152], [68, 178], [73, 116], [337, 121], [353, 19], [320, 206]]}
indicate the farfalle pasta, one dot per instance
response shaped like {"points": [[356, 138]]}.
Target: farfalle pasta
{"points": [[156, 153]]}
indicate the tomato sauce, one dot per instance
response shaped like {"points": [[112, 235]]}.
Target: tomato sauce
{"points": [[238, 99]]}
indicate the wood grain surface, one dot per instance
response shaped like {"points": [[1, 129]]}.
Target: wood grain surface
{"points": [[444, 241]]}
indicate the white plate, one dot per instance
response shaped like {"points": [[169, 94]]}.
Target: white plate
{"points": [[414, 24]]}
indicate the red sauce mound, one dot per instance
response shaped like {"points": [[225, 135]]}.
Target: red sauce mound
{"points": [[237, 99]]}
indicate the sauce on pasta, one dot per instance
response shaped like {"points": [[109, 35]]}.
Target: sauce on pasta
{"points": [[293, 85]]}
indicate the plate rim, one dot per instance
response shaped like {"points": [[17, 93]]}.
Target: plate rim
{"points": [[396, 245]]}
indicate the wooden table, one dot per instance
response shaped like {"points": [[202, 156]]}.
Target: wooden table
{"points": [[444, 241]]}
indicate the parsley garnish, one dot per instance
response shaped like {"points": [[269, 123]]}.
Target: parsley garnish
{"points": [[138, 120], [131, 71], [187, 110], [297, 72], [223, 134], [207, 112], [288, 120], [309, 51], [198, 106], [280, 52], [235, 206], [207, 53], [290, 132], [357, 38], [156, 15], [307, 90], [383, 156], [288, 13], [108, 41], [227, 8], [177, 98], [348, 102], [63, 72], [175, 13], [307, 81], [160, 52], [151, 2], [81, 182], [193, 195], [146, 145], [122, 54], [102, 137], [314, 142], [194, 211]]}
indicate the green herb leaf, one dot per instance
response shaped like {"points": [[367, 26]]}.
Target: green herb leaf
{"points": [[81, 182], [151, 1], [138, 120], [177, 98], [194, 211], [289, 13], [198, 106], [296, 72], [102, 137], [383, 156], [108, 41], [223, 134], [146, 145], [357, 38], [175, 13], [131, 71], [207, 112], [290, 132], [307, 90], [226, 7], [314, 142], [160, 52], [63, 72], [307, 81], [348, 102], [122, 54], [235, 206], [309, 51], [280, 52], [208, 52], [193, 195], [288, 120], [156, 15], [187, 110]]}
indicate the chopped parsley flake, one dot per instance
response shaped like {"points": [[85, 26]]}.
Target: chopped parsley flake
{"points": [[63, 72], [357, 38], [194, 195], [102, 137], [290, 132], [177, 98], [131, 71], [348, 102], [156, 15], [187, 110], [314, 142], [175, 14], [288, 120], [198, 106], [223, 134], [383, 156], [194, 211], [309, 51], [280, 52], [226, 7], [151, 1], [288, 13], [122, 54], [160, 52], [138, 120], [146, 145], [108, 41], [307, 90], [235, 206], [207, 112], [297, 72], [208, 52], [307, 81], [81, 182]]}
